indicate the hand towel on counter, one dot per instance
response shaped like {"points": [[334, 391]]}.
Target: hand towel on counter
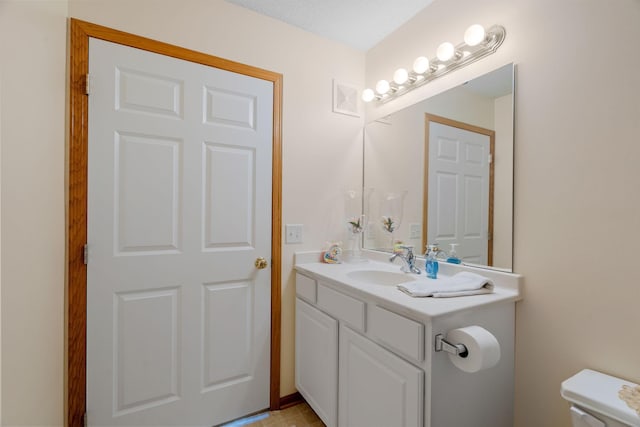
{"points": [[461, 284]]}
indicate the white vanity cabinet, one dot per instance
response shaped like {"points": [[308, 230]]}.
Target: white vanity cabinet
{"points": [[375, 387], [365, 354]]}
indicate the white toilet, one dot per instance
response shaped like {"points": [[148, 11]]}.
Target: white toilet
{"points": [[595, 402]]}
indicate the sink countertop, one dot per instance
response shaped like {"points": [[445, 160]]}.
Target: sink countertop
{"points": [[507, 285]]}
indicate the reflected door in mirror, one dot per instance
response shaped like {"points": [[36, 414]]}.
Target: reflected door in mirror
{"points": [[458, 188]]}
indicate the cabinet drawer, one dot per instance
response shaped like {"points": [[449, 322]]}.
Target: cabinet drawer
{"points": [[398, 332], [341, 306], [306, 288]]}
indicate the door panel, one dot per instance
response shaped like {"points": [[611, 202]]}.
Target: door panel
{"points": [[228, 328], [146, 367], [223, 194], [228, 108], [474, 217], [179, 207], [147, 174], [139, 91], [446, 197]]}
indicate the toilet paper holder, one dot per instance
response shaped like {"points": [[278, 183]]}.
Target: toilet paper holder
{"points": [[444, 345]]}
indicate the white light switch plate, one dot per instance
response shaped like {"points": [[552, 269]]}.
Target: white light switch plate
{"points": [[293, 233]]}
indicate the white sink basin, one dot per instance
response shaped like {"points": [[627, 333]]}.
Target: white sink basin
{"points": [[379, 277]]}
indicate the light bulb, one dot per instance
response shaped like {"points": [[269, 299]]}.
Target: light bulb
{"points": [[445, 51], [382, 87], [420, 65], [368, 95], [474, 35], [400, 76]]}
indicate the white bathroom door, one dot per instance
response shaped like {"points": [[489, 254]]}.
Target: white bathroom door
{"points": [[179, 208], [458, 211]]}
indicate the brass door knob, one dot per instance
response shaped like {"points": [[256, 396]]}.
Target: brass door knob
{"points": [[261, 263]]}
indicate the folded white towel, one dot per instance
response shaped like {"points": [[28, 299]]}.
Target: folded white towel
{"points": [[461, 284]]}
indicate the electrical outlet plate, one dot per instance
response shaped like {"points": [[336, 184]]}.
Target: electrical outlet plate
{"points": [[370, 231], [293, 233], [415, 231]]}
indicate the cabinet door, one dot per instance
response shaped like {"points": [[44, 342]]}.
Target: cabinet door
{"points": [[317, 360], [377, 388]]}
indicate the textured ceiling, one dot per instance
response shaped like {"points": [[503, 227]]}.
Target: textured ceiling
{"points": [[360, 24]]}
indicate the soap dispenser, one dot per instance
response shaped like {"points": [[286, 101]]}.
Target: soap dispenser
{"points": [[453, 254], [431, 262]]}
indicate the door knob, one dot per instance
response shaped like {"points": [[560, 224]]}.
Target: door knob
{"points": [[261, 263]]}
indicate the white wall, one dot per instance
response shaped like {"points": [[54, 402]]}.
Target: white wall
{"points": [[322, 154], [33, 55], [503, 183], [577, 208]]}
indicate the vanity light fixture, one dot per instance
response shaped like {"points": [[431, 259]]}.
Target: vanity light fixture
{"points": [[401, 76], [368, 95], [420, 65], [382, 87], [445, 51], [477, 44], [474, 35]]}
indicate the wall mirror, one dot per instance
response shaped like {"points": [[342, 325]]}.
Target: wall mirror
{"points": [[441, 171]]}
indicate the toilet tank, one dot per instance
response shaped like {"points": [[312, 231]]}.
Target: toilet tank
{"points": [[595, 400]]}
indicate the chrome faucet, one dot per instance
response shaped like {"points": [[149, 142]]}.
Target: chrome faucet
{"points": [[408, 259]]}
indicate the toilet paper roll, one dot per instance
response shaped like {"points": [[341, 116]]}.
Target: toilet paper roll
{"points": [[482, 347]]}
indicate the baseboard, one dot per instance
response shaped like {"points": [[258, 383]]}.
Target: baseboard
{"points": [[291, 400]]}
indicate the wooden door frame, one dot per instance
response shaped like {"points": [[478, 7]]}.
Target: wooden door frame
{"points": [[76, 301], [428, 118]]}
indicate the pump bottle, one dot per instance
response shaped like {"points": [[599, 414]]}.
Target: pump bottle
{"points": [[431, 263], [453, 254]]}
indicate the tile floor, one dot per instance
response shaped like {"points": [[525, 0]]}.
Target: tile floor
{"points": [[300, 415]]}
